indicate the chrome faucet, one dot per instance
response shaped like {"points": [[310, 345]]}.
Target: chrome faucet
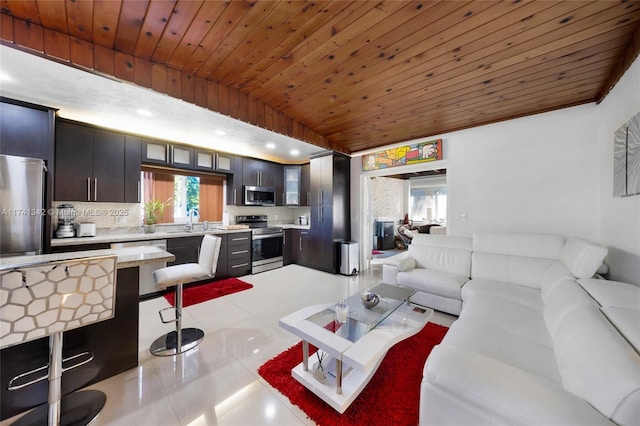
{"points": [[190, 220]]}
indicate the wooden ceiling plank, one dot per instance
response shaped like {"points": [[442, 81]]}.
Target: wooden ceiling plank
{"points": [[202, 23], [434, 62], [315, 46], [180, 20], [155, 21], [382, 48], [222, 27], [26, 10], [502, 97], [280, 41], [105, 21], [243, 32], [292, 80], [511, 107], [411, 60], [53, 15], [533, 66], [80, 19], [403, 111], [631, 52], [272, 27], [463, 73], [132, 15]]}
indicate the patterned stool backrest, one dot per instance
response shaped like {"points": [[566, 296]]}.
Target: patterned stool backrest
{"points": [[43, 299]]}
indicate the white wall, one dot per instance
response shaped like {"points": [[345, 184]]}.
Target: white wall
{"points": [[549, 173], [619, 216]]}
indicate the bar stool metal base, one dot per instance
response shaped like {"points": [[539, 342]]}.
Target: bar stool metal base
{"points": [[77, 409], [166, 345]]}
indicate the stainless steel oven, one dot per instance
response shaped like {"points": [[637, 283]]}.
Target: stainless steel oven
{"points": [[266, 243]]}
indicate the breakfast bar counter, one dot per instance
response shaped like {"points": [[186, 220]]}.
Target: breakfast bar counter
{"points": [[113, 342]]}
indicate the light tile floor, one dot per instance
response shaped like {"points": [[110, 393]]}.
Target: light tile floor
{"points": [[217, 383]]}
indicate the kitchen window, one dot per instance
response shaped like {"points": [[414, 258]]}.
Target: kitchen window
{"points": [[200, 194]]}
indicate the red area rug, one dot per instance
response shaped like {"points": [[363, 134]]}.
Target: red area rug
{"points": [[203, 292], [376, 252], [392, 396]]}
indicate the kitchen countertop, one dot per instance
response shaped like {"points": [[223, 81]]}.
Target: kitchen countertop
{"points": [[158, 235], [138, 236], [127, 257]]}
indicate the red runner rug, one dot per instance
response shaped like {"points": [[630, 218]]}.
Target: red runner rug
{"points": [[392, 396], [203, 292]]}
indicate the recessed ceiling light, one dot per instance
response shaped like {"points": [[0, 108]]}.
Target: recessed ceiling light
{"points": [[220, 132], [294, 152], [4, 77], [271, 145], [144, 112]]}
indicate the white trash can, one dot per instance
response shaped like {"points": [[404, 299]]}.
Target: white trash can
{"points": [[349, 258]]}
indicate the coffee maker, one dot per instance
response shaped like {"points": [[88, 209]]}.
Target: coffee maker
{"points": [[66, 214]]}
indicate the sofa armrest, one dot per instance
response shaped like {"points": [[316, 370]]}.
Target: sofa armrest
{"points": [[503, 391], [393, 265], [402, 262]]}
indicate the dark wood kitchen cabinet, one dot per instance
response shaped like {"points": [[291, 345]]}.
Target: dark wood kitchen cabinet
{"points": [[305, 185], [239, 254], [330, 198], [296, 247], [89, 163], [167, 154], [234, 182], [264, 173], [132, 164]]}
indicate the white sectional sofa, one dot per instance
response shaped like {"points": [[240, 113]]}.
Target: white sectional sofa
{"points": [[435, 265], [538, 341]]}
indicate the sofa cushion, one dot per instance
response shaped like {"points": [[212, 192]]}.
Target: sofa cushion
{"points": [[582, 258], [541, 246], [442, 253], [504, 346], [523, 320], [565, 296], [526, 271], [493, 392], [434, 282], [612, 293], [596, 363], [627, 321], [517, 293]]}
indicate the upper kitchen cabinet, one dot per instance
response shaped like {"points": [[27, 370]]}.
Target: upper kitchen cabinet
{"points": [[291, 185], [204, 160], [157, 152], [132, 163], [305, 185], [89, 164], [225, 163], [234, 182], [264, 173]]}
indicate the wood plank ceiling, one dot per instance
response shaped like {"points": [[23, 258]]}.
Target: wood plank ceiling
{"points": [[345, 75]]}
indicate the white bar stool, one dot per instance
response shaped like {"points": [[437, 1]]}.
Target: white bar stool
{"points": [[178, 275], [47, 299]]}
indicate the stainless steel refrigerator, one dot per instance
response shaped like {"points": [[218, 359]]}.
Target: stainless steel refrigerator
{"points": [[22, 210]]}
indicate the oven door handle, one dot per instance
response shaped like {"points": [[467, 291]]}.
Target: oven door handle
{"points": [[263, 236]]}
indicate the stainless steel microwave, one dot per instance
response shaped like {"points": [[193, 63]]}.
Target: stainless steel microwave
{"points": [[259, 196]]}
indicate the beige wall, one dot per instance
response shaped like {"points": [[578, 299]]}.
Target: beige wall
{"points": [[389, 198]]}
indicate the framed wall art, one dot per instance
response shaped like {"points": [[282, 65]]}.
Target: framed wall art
{"points": [[403, 155], [626, 158]]}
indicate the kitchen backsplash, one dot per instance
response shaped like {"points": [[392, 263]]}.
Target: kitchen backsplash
{"points": [[128, 215]]}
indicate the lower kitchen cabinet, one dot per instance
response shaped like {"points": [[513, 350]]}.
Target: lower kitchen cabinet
{"points": [[239, 254], [297, 247], [235, 253]]}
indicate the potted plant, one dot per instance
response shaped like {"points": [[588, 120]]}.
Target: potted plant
{"points": [[153, 210]]}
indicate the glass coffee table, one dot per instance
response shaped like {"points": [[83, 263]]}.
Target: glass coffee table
{"points": [[349, 353]]}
